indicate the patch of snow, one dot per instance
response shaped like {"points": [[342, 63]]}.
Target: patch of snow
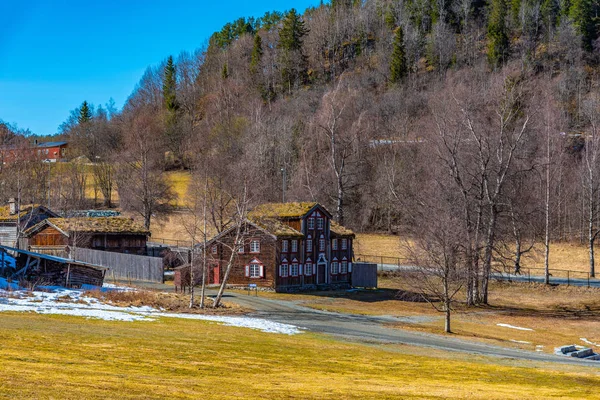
{"points": [[111, 286], [72, 302], [584, 340], [520, 341], [539, 347], [515, 327]]}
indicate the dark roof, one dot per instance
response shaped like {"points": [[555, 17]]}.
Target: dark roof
{"points": [[120, 225], [53, 258], [6, 216], [52, 144], [284, 210]]}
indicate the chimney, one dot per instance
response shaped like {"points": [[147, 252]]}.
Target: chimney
{"points": [[13, 206]]}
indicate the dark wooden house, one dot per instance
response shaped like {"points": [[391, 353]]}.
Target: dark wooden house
{"points": [[116, 234], [15, 219], [286, 247]]}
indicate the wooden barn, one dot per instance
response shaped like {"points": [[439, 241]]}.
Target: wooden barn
{"points": [[47, 270], [15, 219], [115, 234], [286, 247]]}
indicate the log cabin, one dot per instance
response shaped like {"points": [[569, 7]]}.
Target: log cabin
{"points": [[116, 234], [15, 219], [286, 247]]}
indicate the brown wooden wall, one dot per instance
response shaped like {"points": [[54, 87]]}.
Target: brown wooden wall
{"points": [[48, 237], [267, 255]]}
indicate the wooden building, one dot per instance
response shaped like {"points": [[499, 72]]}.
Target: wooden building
{"points": [[286, 247], [13, 222], [48, 270], [116, 234]]}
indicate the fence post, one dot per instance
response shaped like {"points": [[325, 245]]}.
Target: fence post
{"points": [[588, 274], [529, 275], [568, 278]]}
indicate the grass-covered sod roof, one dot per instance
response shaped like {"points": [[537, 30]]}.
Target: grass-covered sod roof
{"points": [[120, 225], [282, 210]]}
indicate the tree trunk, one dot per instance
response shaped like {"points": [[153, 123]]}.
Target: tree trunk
{"points": [[489, 248], [191, 261]]}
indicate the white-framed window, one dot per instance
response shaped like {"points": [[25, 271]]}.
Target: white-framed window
{"points": [[322, 243], [334, 244], [344, 267], [309, 244], [294, 269], [283, 270], [335, 268], [311, 223], [241, 248], [344, 244], [308, 269], [284, 246], [320, 224], [294, 246], [255, 269], [214, 249], [255, 246]]}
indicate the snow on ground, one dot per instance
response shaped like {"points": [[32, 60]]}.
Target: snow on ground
{"points": [[539, 347], [519, 341], [515, 327], [73, 302], [584, 340]]}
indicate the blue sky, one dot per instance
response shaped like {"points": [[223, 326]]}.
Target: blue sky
{"points": [[56, 53]]}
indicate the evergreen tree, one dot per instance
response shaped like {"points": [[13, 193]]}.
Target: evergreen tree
{"points": [[584, 14], [497, 33], [85, 113], [170, 86], [225, 72], [292, 59], [257, 53], [398, 67]]}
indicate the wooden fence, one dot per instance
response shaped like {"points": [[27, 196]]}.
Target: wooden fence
{"points": [[124, 266]]}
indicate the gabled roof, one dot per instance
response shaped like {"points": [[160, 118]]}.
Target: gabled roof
{"points": [[285, 210], [6, 216], [115, 225], [339, 230]]}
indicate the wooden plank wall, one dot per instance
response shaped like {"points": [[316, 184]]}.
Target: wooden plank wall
{"points": [[124, 266]]}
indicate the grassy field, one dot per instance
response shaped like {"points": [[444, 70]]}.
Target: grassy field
{"points": [[45, 357]]}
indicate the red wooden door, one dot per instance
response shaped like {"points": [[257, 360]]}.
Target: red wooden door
{"points": [[216, 274]]}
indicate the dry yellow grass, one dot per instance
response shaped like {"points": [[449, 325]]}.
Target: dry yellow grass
{"points": [[45, 357]]}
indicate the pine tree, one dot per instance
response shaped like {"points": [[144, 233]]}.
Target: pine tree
{"points": [[257, 53], [584, 14], [170, 86], [398, 67], [85, 113], [497, 33], [225, 72], [292, 60]]}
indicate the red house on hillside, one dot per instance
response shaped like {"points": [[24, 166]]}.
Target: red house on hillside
{"points": [[47, 152]]}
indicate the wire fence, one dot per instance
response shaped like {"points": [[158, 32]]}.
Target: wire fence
{"points": [[525, 274]]}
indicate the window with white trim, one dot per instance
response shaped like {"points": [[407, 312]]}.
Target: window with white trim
{"points": [[344, 267], [241, 248], [255, 270], [322, 244], [309, 244], [255, 246], [334, 244], [294, 246], [334, 268], [283, 270], [294, 269], [311, 223], [284, 246], [344, 244], [320, 224], [308, 269], [214, 249]]}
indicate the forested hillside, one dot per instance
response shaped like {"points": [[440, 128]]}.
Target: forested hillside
{"points": [[476, 122]]}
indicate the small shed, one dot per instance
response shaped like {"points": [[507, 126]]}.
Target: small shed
{"points": [[50, 270]]}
